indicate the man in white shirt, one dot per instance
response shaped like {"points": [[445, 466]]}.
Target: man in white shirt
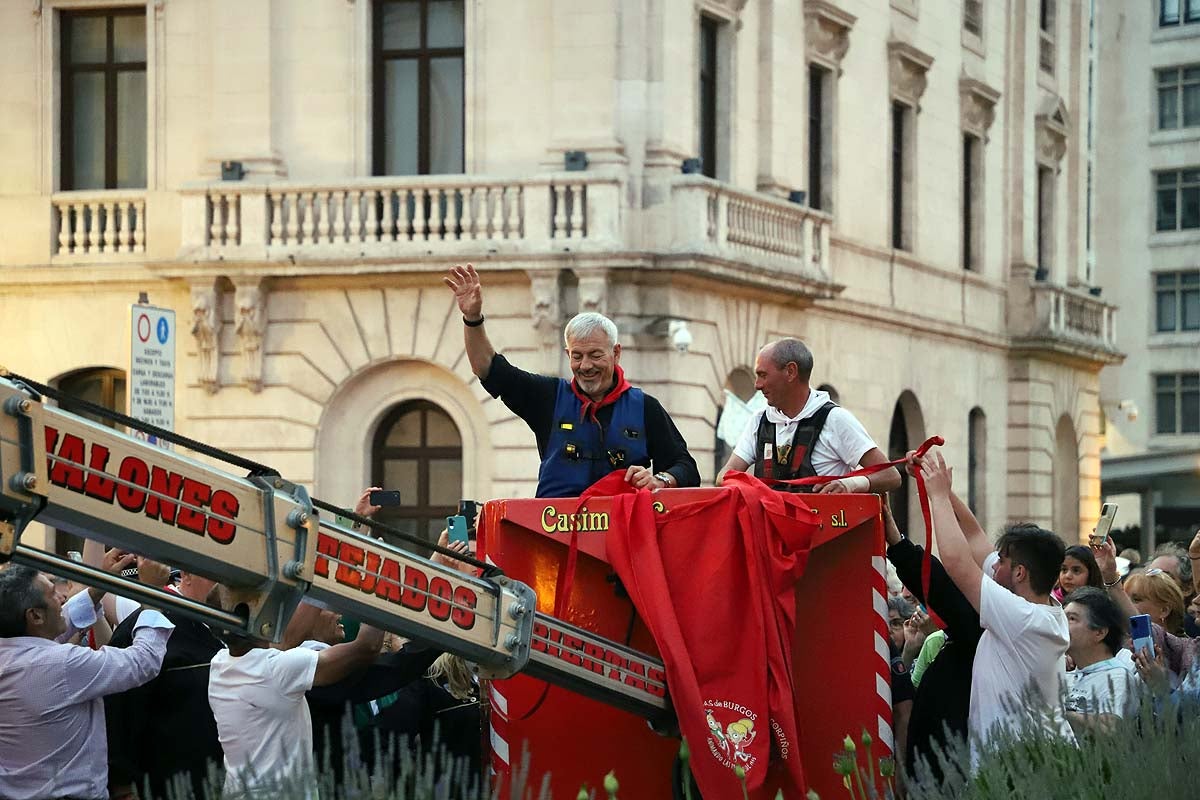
{"points": [[257, 697], [802, 432], [1025, 632], [52, 732]]}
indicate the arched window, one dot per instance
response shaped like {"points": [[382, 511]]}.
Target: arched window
{"points": [[103, 386], [1066, 481], [740, 383], [906, 433], [976, 462], [418, 450]]}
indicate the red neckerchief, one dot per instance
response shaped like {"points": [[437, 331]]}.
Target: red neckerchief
{"points": [[590, 406]]}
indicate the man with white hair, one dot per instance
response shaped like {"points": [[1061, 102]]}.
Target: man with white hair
{"points": [[585, 428]]}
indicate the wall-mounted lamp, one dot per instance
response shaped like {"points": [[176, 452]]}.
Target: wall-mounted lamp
{"points": [[1130, 408], [575, 161], [232, 171]]}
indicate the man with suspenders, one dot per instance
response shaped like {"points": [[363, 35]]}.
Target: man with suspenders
{"points": [[802, 432]]}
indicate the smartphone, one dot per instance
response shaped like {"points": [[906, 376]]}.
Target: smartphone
{"points": [[75, 556], [385, 497], [1139, 631], [1108, 512], [467, 509], [457, 525]]}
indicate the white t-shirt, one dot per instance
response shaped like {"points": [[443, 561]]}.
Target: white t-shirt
{"points": [[1106, 687], [262, 717], [1023, 644], [842, 443]]}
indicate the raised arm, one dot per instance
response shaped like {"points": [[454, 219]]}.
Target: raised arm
{"points": [[955, 551], [468, 293], [976, 537], [342, 660], [1106, 559]]}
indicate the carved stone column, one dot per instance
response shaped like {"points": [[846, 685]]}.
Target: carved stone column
{"points": [[546, 310], [251, 302], [593, 291], [206, 328]]}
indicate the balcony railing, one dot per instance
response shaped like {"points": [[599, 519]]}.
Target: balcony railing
{"points": [[1065, 318], [387, 216], [718, 218], [87, 225]]}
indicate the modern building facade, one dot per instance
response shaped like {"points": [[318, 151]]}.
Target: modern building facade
{"points": [[1146, 236], [901, 183]]}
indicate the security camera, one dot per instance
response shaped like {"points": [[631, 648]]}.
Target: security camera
{"points": [[1130, 408], [681, 337]]}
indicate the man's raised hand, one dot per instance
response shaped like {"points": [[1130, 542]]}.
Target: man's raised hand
{"points": [[464, 282], [938, 476]]}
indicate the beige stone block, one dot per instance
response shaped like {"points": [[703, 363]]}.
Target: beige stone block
{"points": [[314, 341]]}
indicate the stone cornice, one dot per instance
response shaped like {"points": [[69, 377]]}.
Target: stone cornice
{"points": [[907, 71], [978, 106], [827, 32]]}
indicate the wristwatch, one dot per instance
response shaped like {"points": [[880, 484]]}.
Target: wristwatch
{"points": [[665, 478]]}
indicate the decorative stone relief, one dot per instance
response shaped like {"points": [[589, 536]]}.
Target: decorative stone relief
{"points": [[978, 106], [593, 291], [827, 32], [1052, 126], [251, 302], [37, 8], [206, 328], [547, 306], [908, 68]]}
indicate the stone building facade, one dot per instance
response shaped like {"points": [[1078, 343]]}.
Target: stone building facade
{"points": [[901, 183]]}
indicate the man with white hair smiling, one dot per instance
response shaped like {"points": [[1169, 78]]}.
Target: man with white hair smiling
{"points": [[585, 428]]}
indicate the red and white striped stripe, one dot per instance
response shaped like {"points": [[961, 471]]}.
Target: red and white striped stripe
{"points": [[883, 664]]}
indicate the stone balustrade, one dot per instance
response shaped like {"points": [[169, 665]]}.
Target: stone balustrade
{"points": [[87, 225], [390, 216], [721, 220], [1068, 317]]}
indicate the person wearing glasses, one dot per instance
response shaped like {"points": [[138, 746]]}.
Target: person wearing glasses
{"points": [[587, 427]]}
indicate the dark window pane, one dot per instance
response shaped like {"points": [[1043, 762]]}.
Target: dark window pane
{"points": [[405, 432], [87, 134], [1190, 380], [445, 24], [1189, 412], [1167, 76], [446, 115], [1189, 213], [1168, 116], [1190, 278], [1166, 179], [1164, 412], [445, 480], [400, 113], [129, 38], [1193, 11], [402, 474], [1189, 176], [1166, 311], [131, 130], [402, 25], [1165, 280], [1191, 105], [1168, 12], [1164, 382], [440, 430], [89, 40], [1166, 216]]}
